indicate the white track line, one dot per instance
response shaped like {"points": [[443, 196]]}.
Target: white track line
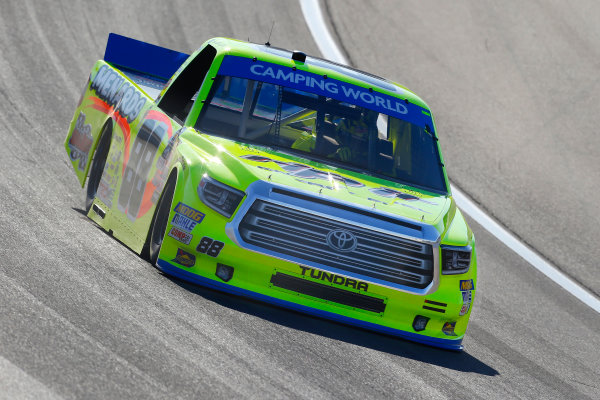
{"points": [[320, 33], [329, 49]]}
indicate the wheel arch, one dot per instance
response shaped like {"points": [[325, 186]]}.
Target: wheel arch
{"points": [[108, 123], [174, 174]]}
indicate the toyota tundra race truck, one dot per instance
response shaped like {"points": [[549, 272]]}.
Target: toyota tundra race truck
{"points": [[281, 177]]}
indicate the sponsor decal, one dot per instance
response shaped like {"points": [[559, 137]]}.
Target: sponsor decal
{"points": [[391, 193], [325, 86], [183, 222], [186, 217], [182, 236], [333, 278], [209, 246], [467, 296], [249, 149], [81, 141], [118, 92], [342, 240], [184, 258], [448, 328], [467, 285], [303, 171], [467, 299], [406, 194], [464, 309], [189, 212], [304, 174]]}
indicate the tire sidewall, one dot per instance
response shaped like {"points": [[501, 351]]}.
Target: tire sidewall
{"points": [[98, 164], [161, 219]]}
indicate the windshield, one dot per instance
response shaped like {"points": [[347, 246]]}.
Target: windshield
{"points": [[322, 128]]}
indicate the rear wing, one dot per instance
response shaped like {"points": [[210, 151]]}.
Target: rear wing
{"points": [[148, 65]]}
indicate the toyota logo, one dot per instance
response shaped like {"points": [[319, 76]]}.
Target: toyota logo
{"points": [[341, 240]]}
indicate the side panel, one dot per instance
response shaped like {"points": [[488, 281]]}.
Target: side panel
{"points": [[134, 176], [139, 157], [108, 95]]}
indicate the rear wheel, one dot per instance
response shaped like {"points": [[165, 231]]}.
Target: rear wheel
{"points": [[161, 219], [98, 166]]}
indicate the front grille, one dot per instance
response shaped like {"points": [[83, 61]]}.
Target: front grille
{"points": [[304, 236], [328, 293]]}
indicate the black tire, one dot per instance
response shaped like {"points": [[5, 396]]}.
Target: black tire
{"points": [[98, 165], [160, 220]]}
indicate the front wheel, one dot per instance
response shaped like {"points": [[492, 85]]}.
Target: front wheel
{"points": [[161, 219]]}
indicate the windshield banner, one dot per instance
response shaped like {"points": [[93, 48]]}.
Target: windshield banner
{"points": [[242, 67]]}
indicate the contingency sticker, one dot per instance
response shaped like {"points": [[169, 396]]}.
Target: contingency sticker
{"points": [[467, 285], [448, 328], [184, 258], [466, 288], [186, 217], [180, 235]]}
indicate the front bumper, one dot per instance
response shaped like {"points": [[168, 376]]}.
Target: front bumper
{"points": [[309, 286], [173, 270]]}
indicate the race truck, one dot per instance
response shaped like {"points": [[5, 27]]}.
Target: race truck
{"points": [[282, 177]]}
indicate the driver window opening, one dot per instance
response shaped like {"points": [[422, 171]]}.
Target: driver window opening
{"points": [[179, 97]]}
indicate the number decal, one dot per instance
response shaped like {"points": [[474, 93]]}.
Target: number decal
{"points": [[215, 249], [135, 176], [210, 247], [205, 243]]}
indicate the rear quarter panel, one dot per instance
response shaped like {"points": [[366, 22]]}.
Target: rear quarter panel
{"points": [[139, 158], [108, 95]]}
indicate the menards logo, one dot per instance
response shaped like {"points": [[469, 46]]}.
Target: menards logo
{"points": [[333, 278]]}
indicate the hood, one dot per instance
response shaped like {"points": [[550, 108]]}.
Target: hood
{"points": [[241, 164]]}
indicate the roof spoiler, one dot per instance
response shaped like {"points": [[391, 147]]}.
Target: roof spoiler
{"points": [[142, 58]]}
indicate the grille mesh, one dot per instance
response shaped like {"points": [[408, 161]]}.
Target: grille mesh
{"points": [[302, 235]]}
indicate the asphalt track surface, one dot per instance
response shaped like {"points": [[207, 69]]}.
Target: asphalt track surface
{"points": [[514, 86]]}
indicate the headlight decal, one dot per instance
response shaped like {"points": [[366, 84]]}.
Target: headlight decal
{"points": [[218, 196], [455, 260]]}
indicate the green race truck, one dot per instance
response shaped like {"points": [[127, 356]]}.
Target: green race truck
{"points": [[278, 176]]}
